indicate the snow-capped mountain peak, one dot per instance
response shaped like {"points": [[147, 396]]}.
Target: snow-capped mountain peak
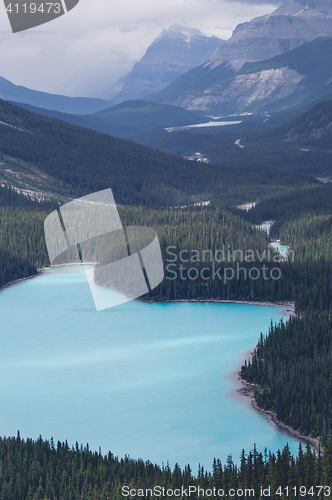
{"points": [[175, 51]]}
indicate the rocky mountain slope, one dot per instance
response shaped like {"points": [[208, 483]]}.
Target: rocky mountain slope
{"points": [[291, 25], [175, 51], [291, 82], [228, 83]]}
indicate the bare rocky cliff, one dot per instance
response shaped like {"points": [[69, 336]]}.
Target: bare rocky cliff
{"points": [[288, 27]]}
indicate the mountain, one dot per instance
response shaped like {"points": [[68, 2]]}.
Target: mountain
{"points": [[291, 82], [229, 83], [291, 25], [130, 119], [175, 51], [11, 92]]}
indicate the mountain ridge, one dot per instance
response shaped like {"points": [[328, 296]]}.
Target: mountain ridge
{"points": [[289, 26], [294, 80], [129, 119], [175, 51], [17, 93], [219, 83]]}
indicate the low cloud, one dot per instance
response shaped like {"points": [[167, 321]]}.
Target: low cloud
{"points": [[87, 50], [127, 28], [276, 3]]}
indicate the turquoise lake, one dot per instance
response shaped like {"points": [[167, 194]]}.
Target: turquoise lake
{"points": [[153, 381]]}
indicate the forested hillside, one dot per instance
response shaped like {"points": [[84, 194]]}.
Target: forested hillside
{"points": [[292, 366], [302, 220], [84, 161], [215, 240], [43, 470]]}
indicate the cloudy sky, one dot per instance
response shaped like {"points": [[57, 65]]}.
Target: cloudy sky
{"points": [[85, 51]]}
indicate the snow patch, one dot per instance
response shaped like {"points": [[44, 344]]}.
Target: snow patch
{"points": [[201, 125], [237, 142]]}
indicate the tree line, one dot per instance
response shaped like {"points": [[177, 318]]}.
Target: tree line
{"points": [[292, 370], [45, 470]]}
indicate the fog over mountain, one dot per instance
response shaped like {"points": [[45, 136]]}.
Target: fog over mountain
{"points": [[175, 51]]}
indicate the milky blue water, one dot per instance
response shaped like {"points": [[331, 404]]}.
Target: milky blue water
{"points": [[148, 380], [202, 125], [282, 249]]}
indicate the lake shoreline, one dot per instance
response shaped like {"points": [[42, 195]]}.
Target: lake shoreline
{"points": [[40, 272], [289, 306], [20, 280], [248, 391]]}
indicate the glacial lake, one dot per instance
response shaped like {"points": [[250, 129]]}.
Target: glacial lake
{"points": [[202, 125], [153, 381]]}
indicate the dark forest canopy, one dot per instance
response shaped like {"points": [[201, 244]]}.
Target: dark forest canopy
{"points": [[292, 370], [44, 470]]}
